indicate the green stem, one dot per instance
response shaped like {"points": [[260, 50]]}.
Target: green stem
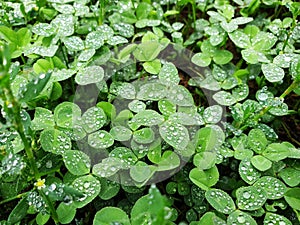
{"points": [[51, 207], [102, 12], [14, 109], [292, 87], [194, 12], [13, 198], [289, 34]]}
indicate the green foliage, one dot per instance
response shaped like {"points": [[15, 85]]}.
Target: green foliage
{"points": [[100, 100]]}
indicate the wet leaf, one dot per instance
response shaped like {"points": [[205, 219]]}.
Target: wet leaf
{"points": [[169, 74], [43, 29], [55, 141], [121, 133], [276, 219], [220, 200], [74, 43], [100, 139], [204, 178], [250, 198], [224, 98], [93, 119], [274, 188], [89, 75], [247, 172], [201, 59], [261, 163], [66, 114], [111, 215], [272, 72], [77, 162], [152, 91], [34, 87], [175, 135], [239, 218], [43, 119], [89, 186]]}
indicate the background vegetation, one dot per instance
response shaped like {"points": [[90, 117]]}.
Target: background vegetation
{"points": [[100, 99]]}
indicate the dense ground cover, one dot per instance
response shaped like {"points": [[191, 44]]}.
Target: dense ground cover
{"points": [[149, 112]]}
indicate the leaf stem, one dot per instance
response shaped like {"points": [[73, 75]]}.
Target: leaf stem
{"points": [[293, 86], [13, 198], [13, 108], [51, 207]]}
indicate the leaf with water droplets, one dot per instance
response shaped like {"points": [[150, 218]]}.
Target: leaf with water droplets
{"points": [[100, 139], [263, 41], [201, 59], [274, 187], [224, 98], [66, 114], [257, 140], [169, 74], [147, 117], [86, 54], [213, 114], [43, 29], [152, 91], [43, 119], [34, 87], [77, 162], [89, 75], [64, 23], [261, 163], [284, 60], [109, 189], [108, 167], [290, 176], [240, 218], [141, 172], [94, 40], [89, 186], [240, 92], [272, 72], [220, 200], [55, 141], [276, 151], [168, 161], [144, 135], [73, 43], [279, 108], [166, 107], [247, 172], [275, 219], [64, 8], [137, 106], [116, 40], [106, 32], [251, 198], [42, 50], [174, 134], [63, 74], [179, 95], [204, 178], [124, 29], [111, 215], [120, 133], [93, 119], [126, 156], [127, 91], [240, 39]]}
